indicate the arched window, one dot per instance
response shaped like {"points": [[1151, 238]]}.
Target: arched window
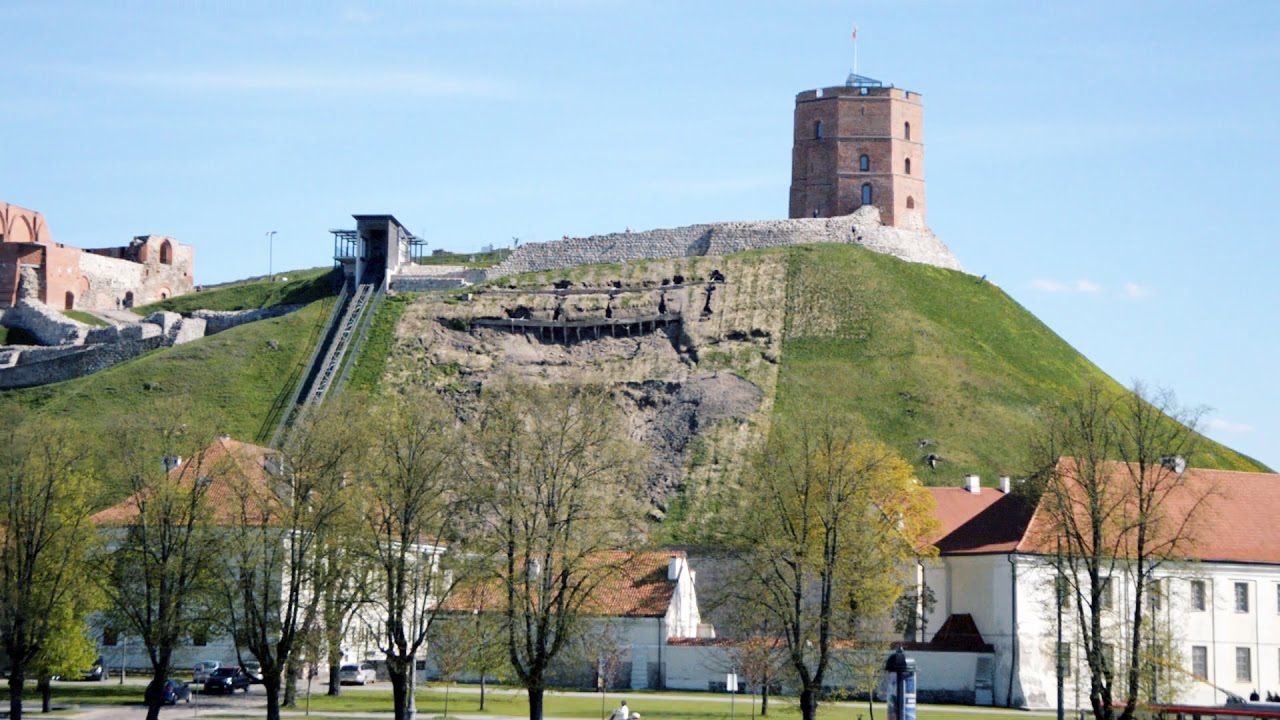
{"points": [[817, 129], [166, 253], [866, 193], [906, 130], [911, 203], [906, 166], [864, 163]]}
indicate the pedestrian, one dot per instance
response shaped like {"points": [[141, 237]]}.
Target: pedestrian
{"points": [[622, 713]]}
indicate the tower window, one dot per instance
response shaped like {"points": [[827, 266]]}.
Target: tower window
{"points": [[866, 193], [906, 166], [864, 163], [817, 130], [906, 130], [911, 203]]}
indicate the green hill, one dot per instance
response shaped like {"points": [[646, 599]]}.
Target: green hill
{"points": [[914, 353]]}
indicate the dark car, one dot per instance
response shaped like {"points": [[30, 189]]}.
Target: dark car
{"points": [[96, 673], [175, 691], [227, 680]]}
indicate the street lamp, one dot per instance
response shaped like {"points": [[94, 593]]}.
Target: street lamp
{"points": [[271, 236]]}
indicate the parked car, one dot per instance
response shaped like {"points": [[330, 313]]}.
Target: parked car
{"points": [[175, 691], [203, 670], [96, 673], [227, 680], [353, 674], [253, 669]]}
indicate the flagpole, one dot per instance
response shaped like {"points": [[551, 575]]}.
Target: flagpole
{"points": [[855, 49]]}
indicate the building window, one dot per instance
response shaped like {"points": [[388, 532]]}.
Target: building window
{"points": [[817, 129], [1200, 661], [69, 300], [1155, 595], [1244, 665], [864, 163], [110, 636], [911, 203], [906, 166], [1064, 659], [1242, 597], [1062, 588], [866, 193], [1278, 598], [1105, 598], [1108, 655], [166, 253], [200, 636], [906, 130], [1197, 595]]}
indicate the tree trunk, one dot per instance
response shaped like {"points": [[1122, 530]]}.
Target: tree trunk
{"points": [[272, 686], [481, 690], [809, 703], [155, 696], [399, 692], [290, 684], [535, 703], [46, 694], [764, 699], [335, 678], [446, 699], [16, 681]]}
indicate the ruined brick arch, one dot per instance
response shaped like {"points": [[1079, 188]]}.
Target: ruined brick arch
{"points": [[165, 293], [166, 253]]}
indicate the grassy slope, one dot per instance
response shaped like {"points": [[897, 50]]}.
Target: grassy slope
{"points": [[915, 352], [233, 375], [303, 287]]}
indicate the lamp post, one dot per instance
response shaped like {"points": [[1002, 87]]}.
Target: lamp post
{"points": [[271, 237]]}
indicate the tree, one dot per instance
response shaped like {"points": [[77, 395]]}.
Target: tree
{"points": [[449, 649], [826, 526], [555, 487], [411, 485], [280, 514], [44, 539], [1114, 500], [160, 564], [759, 660], [69, 649]]}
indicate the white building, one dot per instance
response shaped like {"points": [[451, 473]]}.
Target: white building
{"points": [[1218, 610]]}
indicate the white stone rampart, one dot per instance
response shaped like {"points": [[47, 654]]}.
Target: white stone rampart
{"points": [[861, 228]]}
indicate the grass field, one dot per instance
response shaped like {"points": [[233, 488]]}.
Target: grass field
{"points": [[304, 286], [86, 318], [471, 260], [507, 702]]}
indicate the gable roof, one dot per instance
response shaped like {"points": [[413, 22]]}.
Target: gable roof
{"points": [[1234, 524], [988, 521], [231, 466]]}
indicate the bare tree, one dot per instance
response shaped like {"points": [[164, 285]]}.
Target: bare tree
{"points": [[44, 497], [826, 523], [555, 487], [411, 487], [162, 557], [284, 506], [1115, 501]]}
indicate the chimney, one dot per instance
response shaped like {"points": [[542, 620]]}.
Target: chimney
{"points": [[973, 484], [674, 565], [1176, 463], [224, 436], [534, 569], [1004, 484], [171, 462]]}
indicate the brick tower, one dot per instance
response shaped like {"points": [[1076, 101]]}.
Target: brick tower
{"points": [[859, 144]]}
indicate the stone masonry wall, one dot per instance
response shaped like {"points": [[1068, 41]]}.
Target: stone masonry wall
{"points": [[85, 360], [861, 228]]}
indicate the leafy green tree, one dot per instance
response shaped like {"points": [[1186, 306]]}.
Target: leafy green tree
{"points": [[825, 525], [45, 535], [70, 650], [555, 482]]}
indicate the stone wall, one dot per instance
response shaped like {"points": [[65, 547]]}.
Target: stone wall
{"points": [[218, 320], [84, 360], [861, 228], [45, 324]]}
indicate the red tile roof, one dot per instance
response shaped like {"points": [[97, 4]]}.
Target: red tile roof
{"points": [[989, 521], [635, 585], [232, 468], [1234, 524]]}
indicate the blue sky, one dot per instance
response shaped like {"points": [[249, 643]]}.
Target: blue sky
{"points": [[1113, 166]]}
